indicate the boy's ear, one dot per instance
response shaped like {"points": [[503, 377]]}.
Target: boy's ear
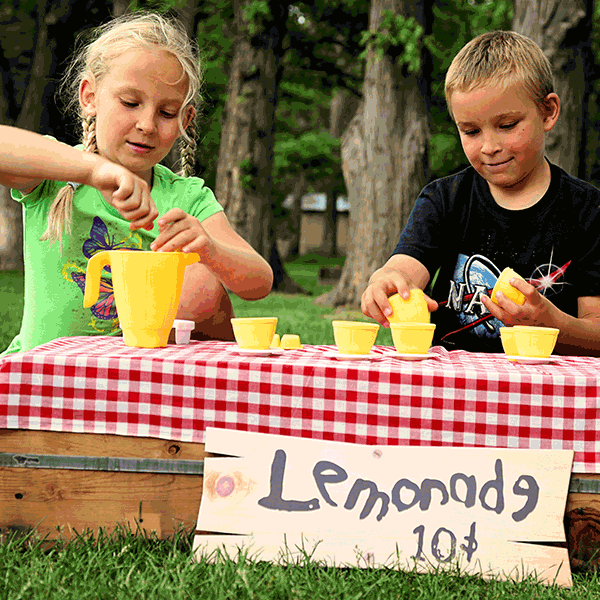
{"points": [[87, 96], [551, 110]]}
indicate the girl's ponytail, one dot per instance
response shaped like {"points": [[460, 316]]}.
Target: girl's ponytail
{"points": [[60, 215]]}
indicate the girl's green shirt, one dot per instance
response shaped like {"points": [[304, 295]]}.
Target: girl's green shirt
{"points": [[55, 280]]}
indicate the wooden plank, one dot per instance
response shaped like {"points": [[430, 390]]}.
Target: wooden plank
{"points": [[550, 564], [93, 444], [75, 500], [439, 504]]}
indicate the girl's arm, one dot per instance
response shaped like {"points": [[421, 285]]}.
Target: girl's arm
{"points": [[232, 260], [28, 158]]}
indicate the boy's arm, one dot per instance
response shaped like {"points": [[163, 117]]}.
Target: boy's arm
{"points": [[578, 335], [581, 335], [400, 274]]}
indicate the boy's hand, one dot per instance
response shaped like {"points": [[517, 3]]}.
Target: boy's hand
{"points": [[536, 310], [127, 192], [180, 231], [384, 283]]}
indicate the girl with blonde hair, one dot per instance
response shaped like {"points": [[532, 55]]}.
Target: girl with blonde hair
{"points": [[135, 87]]}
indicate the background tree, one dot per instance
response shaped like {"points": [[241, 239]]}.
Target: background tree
{"points": [[564, 30], [244, 182], [385, 148], [271, 40], [36, 37]]}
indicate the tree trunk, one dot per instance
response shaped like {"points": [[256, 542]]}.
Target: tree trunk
{"points": [[33, 47], [384, 160], [245, 166], [186, 13], [120, 7], [29, 117], [343, 107], [329, 244], [563, 31], [296, 216]]}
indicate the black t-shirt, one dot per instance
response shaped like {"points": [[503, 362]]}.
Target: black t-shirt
{"points": [[458, 228]]}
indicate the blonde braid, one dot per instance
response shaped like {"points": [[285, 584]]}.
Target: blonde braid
{"points": [[89, 135], [60, 214], [187, 151]]}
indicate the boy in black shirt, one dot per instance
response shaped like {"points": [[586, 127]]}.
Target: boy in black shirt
{"points": [[510, 208]]}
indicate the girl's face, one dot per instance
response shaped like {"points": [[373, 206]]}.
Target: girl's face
{"points": [[502, 132], [136, 106]]}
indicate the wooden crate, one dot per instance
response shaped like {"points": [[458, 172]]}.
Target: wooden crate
{"points": [[60, 502], [582, 522], [78, 500]]}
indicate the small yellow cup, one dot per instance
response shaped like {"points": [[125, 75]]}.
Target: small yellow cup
{"points": [[507, 337], [354, 337], [290, 341], [413, 310], [508, 290], [275, 342], [254, 333], [536, 342], [412, 338]]}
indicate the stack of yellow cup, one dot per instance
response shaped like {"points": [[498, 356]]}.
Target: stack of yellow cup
{"points": [[412, 331]]}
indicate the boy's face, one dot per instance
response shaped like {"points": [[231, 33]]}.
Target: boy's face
{"points": [[502, 133]]}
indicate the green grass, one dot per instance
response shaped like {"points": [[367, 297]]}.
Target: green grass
{"points": [[124, 566], [11, 306]]}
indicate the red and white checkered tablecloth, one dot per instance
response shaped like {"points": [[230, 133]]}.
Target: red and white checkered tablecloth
{"points": [[99, 385]]}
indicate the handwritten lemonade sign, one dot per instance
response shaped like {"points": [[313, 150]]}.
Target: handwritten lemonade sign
{"points": [[280, 497]]}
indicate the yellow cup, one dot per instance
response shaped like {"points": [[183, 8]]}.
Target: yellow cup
{"points": [[507, 337], [147, 287], [508, 290], [412, 338], [354, 337], [254, 333], [413, 310], [290, 341], [275, 342], [536, 342]]}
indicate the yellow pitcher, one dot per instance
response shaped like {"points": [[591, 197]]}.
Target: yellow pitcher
{"points": [[147, 287]]}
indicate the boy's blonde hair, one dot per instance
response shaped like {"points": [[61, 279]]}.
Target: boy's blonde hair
{"points": [[105, 44], [501, 58]]}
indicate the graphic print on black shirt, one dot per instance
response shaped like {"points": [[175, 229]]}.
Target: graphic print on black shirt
{"points": [[463, 311], [473, 276]]}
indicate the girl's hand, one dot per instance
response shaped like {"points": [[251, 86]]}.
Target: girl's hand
{"points": [[180, 231], [536, 310], [127, 192]]}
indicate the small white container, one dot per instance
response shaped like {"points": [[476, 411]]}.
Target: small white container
{"points": [[183, 330]]}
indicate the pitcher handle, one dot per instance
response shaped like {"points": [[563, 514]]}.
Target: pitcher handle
{"points": [[92, 277]]}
